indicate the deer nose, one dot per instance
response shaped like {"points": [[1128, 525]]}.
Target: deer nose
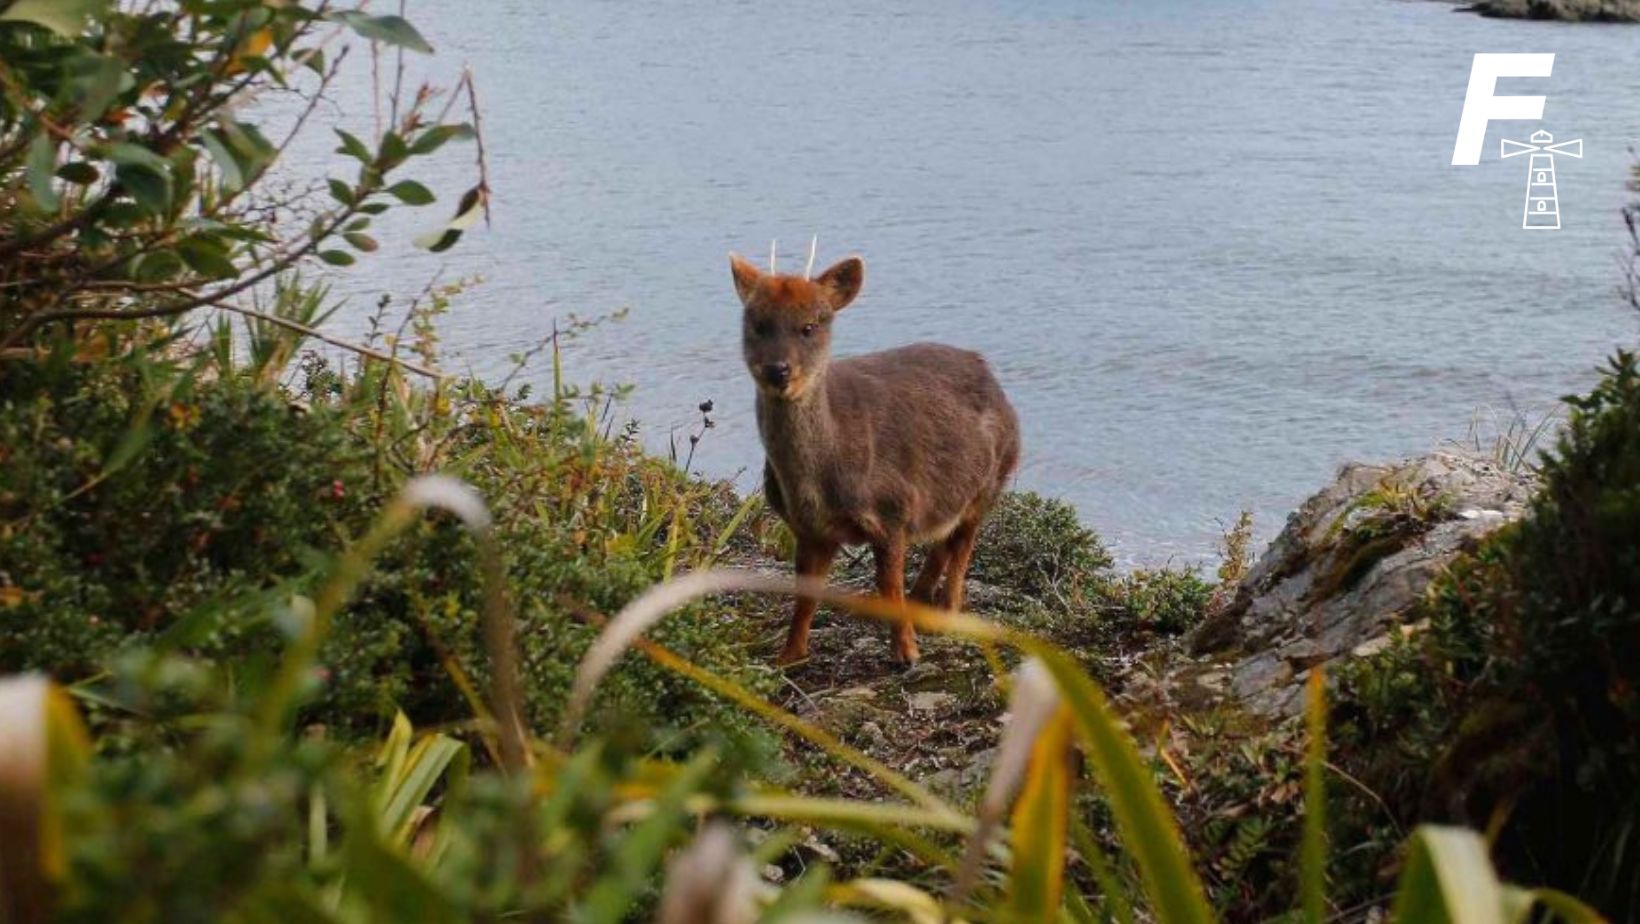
{"points": [[777, 374]]}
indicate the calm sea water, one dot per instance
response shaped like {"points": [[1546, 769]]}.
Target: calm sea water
{"points": [[1213, 249]]}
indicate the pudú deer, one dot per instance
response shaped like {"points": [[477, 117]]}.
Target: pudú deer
{"points": [[909, 445]]}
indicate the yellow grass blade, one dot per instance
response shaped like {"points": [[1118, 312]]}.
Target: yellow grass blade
{"points": [[1148, 829], [654, 604], [1040, 824], [890, 824], [917, 906], [1448, 879], [1565, 907], [783, 718], [1313, 853], [42, 745]]}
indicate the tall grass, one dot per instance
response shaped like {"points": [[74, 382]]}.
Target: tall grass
{"points": [[402, 826]]}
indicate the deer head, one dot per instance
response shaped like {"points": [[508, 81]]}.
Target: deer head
{"points": [[786, 327]]}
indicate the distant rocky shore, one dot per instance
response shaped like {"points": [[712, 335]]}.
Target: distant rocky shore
{"points": [[1564, 10]]}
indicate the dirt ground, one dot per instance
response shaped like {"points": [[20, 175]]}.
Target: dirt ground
{"points": [[937, 722]]}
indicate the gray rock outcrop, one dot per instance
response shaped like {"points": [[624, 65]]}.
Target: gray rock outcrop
{"points": [[1349, 566]]}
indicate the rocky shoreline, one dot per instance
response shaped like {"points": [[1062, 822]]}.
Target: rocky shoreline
{"points": [[1605, 11]]}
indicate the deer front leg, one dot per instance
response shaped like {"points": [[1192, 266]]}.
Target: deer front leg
{"points": [[813, 560], [890, 556]]}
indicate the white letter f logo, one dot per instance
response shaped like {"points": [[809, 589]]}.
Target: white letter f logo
{"points": [[1481, 107]]}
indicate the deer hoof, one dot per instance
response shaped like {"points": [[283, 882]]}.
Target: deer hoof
{"points": [[790, 656], [905, 655]]}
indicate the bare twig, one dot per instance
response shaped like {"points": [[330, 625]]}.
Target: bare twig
{"points": [[316, 334], [398, 78], [478, 137], [279, 264]]}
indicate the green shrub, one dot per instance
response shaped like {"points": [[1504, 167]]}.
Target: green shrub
{"points": [[131, 164], [145, 503], [1166, 600], [131, 495], [182, 822], [1523, 695], [1036, 546]]}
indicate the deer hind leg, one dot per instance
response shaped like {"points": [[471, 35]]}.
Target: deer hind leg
{"points": [[922, 589], [813, 560], [960, 553], [890, 556]]}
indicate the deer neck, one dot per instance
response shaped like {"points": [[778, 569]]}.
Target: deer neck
{"points": [[799, 436]]}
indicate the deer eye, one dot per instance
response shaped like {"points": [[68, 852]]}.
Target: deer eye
{"points": [[763, 328], [809, 329]]}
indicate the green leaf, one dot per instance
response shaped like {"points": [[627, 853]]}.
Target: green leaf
{"points": [[135, 154], [341, 192], [434, 138], [442, 239], [122, 215], [392, 30], [156, 266], [78, 171], [233, 179], [410, 780], [353, 147], [336, 257], [207, 256], [65, 17], [411, 193], [250, 147], [393, 887], [144, 174], [95, 80], [42, 164], [360, 241], [639, 851], [151, 190], [394, 150]]}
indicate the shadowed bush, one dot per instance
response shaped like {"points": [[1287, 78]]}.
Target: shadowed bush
{"points": [[1521, 702]]}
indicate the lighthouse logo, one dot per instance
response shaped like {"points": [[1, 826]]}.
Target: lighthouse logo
{"points": [[1542, 204], [1482, 105]]}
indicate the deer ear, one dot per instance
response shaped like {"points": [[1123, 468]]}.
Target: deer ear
{"points": [[843, 281], [746, 277]]}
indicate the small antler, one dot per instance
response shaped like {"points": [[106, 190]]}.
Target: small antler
{"points": [[809, 270], [772, 242]]}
